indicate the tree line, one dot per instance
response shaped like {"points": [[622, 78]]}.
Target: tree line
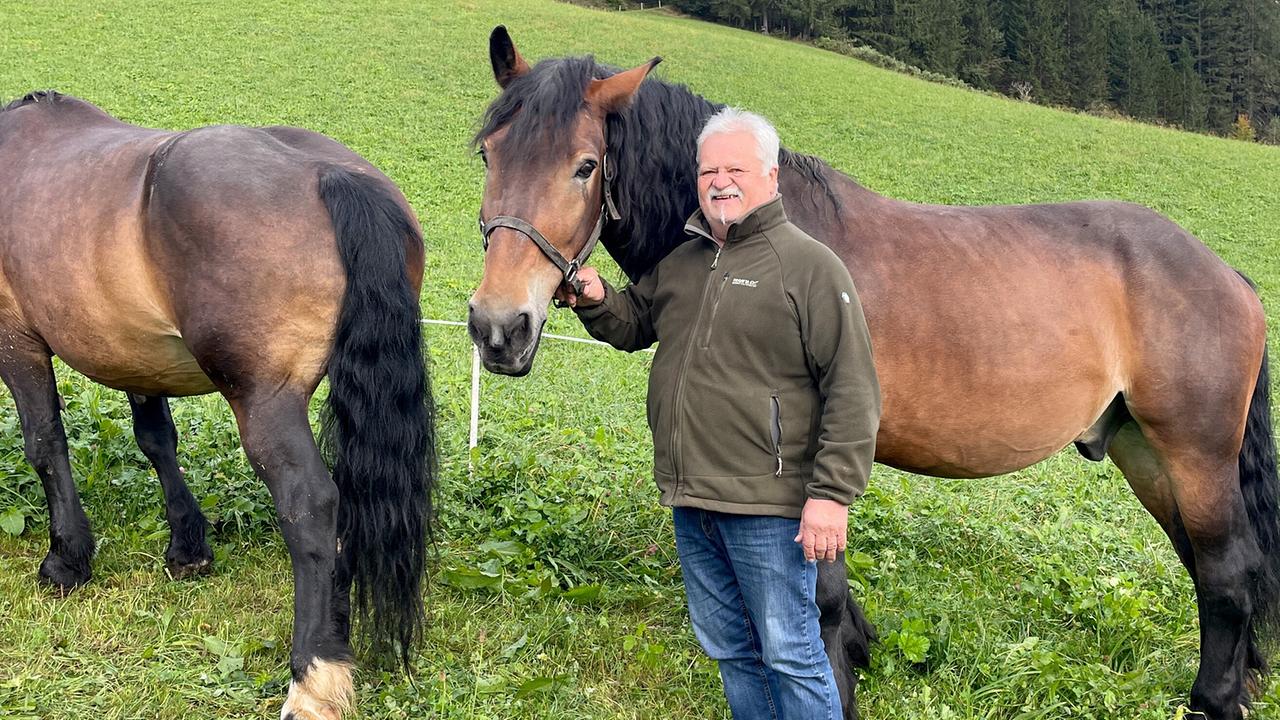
{"points": [[1205, 65]]}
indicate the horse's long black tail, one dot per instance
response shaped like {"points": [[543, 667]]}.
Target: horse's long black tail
{"points": [[379, 424], [1261, 488]]}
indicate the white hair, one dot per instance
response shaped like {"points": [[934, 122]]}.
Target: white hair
{"points": [[732, 119]]}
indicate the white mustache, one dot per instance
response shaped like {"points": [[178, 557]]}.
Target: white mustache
{"points": [[733, 191], [730, 192]]}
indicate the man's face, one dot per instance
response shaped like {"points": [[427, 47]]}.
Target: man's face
{"points": [[730, 179]]}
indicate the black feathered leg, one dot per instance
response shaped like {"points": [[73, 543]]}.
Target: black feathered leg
{"points": [[28, 371], [846, 634], [188, 553]]}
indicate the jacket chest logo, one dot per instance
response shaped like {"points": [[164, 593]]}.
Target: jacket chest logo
{"points": [[745, 282]]}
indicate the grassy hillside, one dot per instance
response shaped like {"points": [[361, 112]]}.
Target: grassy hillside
{"points": [[1045, 593]]}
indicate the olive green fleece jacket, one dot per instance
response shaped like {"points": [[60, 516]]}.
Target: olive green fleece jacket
{"points": [[762, 392]]}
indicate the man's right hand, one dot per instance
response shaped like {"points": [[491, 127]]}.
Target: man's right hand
{"points": [[592, 290]]}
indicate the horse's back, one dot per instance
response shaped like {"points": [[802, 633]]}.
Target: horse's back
{"points": [[146, 258], [1175, 291]]}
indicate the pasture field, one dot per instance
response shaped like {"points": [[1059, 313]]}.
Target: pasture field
{"points": [[1044, 594]]}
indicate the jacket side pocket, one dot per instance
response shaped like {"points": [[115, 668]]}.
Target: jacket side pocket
{"points": [[775, 430]]}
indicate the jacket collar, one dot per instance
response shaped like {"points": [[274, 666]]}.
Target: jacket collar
{"points": [[760, 219]]}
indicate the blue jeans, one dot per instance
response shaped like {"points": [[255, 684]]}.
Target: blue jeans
{"points": [[751, 600]]}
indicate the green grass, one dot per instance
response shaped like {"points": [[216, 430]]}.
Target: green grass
{"points": [[1046, 593]]}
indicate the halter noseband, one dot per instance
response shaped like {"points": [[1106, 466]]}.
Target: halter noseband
{"points": [[569, 268]]}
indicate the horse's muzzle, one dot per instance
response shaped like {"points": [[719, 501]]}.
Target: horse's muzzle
{"points": [[507, 339]]}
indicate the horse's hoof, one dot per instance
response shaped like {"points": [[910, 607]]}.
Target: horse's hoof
{"points": [[1228, 712], [309, 715], [62, 576], [324, 693], [182, 566]]}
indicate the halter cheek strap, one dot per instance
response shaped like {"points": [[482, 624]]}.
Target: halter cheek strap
{"points": [[610, 172], [568, 268]]}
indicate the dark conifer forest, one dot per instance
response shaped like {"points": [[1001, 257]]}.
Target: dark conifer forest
{"points": [[1205, 65]]}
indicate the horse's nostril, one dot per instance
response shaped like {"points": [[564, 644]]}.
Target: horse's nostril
{"points": [[476, 324], [518, 329]]}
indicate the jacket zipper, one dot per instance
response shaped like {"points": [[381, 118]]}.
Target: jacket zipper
{"points": [[678, 408], [715, 307], [776, 430]]}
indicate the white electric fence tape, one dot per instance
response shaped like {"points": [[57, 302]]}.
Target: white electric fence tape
{"points": [[474, 436]]}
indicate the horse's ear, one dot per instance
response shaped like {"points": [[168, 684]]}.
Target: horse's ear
{"points": [[507, 63], [611, 94]]}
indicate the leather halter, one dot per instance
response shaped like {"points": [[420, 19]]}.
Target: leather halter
{"points": [[568, 268]]}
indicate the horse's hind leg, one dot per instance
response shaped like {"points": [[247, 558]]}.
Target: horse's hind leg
{"points": [[1227, 559], [26, 368], [846, 634], [188, 552], [1197, 500], [1137, 460], [277, 438]]}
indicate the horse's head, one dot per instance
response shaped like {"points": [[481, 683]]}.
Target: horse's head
{"points": [[545, 194]]}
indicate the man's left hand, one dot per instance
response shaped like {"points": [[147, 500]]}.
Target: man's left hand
{"points": [[592, 290], [824, 529]]}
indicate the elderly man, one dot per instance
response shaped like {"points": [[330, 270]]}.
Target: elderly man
{"points": [[764, 406]]}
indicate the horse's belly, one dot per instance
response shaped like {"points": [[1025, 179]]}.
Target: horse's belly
{"points": [[153, 365], [964, 456], [984, 425], [988, 376], [111, 325]]}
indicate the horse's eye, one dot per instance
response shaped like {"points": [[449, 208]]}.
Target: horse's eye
{"points": [[484, 157], [585, 170]]}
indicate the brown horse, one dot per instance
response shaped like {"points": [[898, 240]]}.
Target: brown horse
{"points": [[249, 262], [1001, 334]]}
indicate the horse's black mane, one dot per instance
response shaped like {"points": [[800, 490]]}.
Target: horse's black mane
{"points": [[652, 144], [541, 107], [34, 96]]}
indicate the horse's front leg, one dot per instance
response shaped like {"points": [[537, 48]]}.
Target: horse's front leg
{"points": [[26, 368]]}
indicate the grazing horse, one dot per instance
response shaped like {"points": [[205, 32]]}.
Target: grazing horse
{"points": [[1001, 333], [249, 262]]}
